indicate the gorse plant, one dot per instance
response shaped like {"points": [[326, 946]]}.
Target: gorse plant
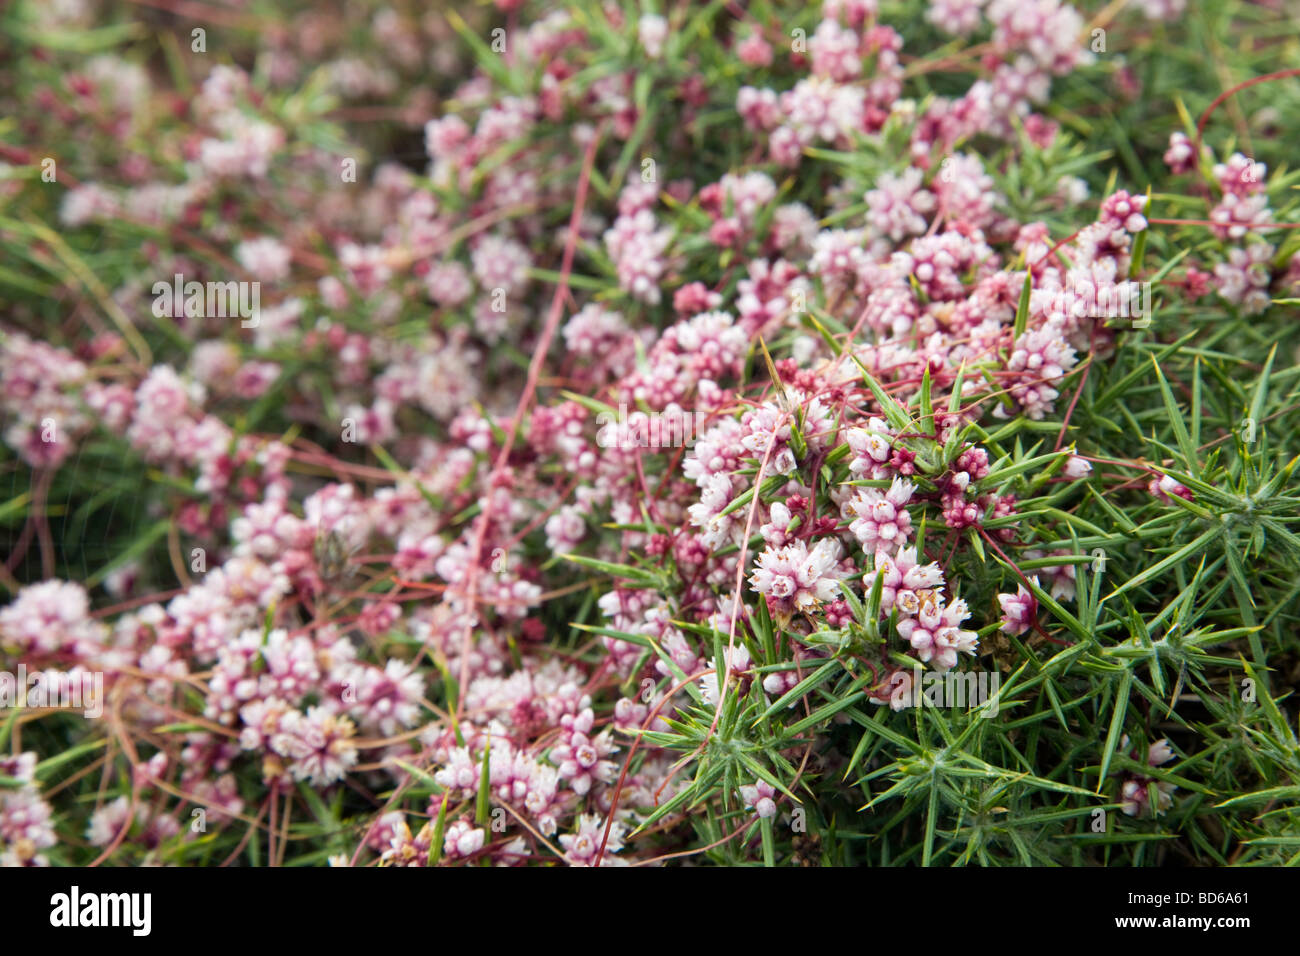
{"points": [[608, 434]]}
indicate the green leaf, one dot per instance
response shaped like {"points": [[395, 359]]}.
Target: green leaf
{"points": [[1022, 307]]}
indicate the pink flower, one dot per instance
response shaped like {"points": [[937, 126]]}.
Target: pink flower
{"points": [[819, 108], [935, 633], [652, 31], [1061, 576], [1048, 29], [565, 529], [1042, 356], [462, 839], [834, 52], [881, 520], [253, 378], [1018, 610], [905, 582], [1135, 791], [582, 847], [871, 447], [898, 205], [795, 579], [1236, 215], [694, 298], [775, 532], [501, 263], [754, 50], [957, 17], [407, 850], [266, 258], [1164, 486], [854, 12], [579, 756], [1240, 176], [388, 700], [366, 265], [767, 434], [747, 196], [1180, 157], [449, 284], [1244, 279], [638, 248], [52, 616], [26, 820], [735, 665], [759, 798], [1124, 211], [1076, 468], [318, 744], [1162, 9]]}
